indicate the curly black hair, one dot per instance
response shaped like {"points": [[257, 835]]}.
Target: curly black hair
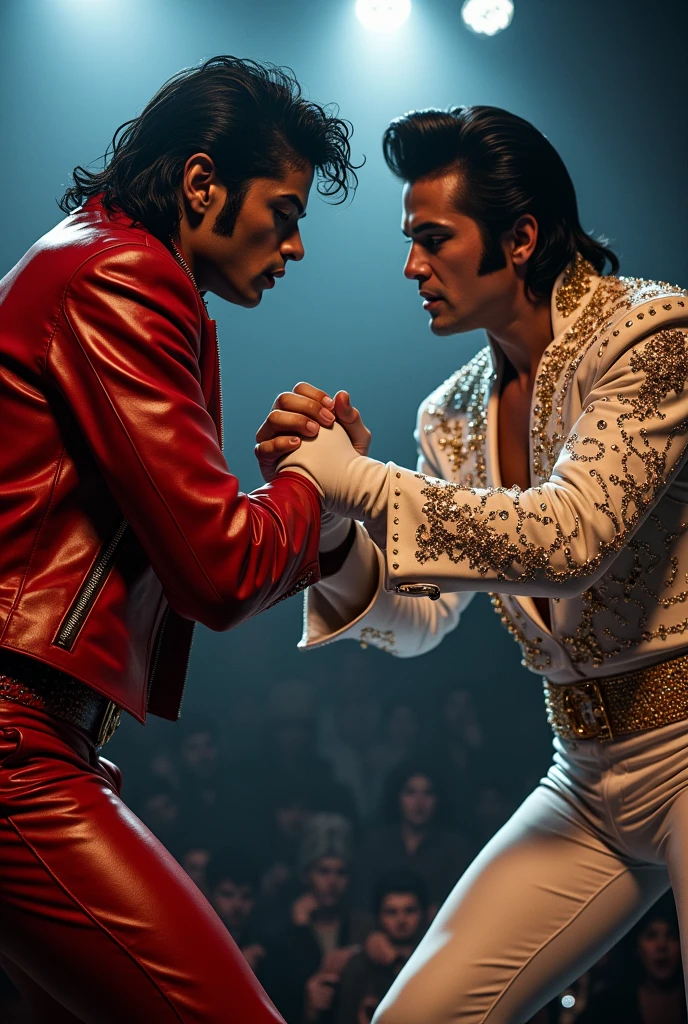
{"points": [[250, 117]]}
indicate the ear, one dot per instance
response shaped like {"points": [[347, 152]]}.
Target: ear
{"points": [[199, 183], [523, 239]]}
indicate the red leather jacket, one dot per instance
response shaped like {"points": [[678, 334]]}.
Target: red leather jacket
{"points": [[120, 523]]}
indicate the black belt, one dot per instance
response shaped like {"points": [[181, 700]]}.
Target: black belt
{"points": [[36, 685]]}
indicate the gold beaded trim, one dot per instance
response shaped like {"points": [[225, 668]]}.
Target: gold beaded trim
{"points": [[467, 391], [575, 284], [385, 640], [561, 360], [605, 709], [533, 655]]}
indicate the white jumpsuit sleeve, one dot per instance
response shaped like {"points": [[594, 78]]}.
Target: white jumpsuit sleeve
{"points": [[555, 540], [353, 604]]}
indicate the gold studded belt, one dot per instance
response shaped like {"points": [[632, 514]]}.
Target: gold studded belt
{"points": [[37, 685], [606, 709]]}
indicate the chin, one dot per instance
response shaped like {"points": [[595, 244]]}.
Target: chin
{"points": [[230, 293], [246, 301], [441, 327]]}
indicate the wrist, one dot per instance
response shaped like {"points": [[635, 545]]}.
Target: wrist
{"points": [[303, 474]]}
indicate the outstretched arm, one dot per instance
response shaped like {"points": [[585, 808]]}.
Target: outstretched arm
{"points": [[553, 540], [125, 359], [352, 602]]}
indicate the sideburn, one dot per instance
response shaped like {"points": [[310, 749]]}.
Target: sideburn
{"points": [[225, 222], [493, 257]]}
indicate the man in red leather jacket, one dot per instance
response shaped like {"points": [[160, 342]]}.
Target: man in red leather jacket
{"points": [[121, 526]]}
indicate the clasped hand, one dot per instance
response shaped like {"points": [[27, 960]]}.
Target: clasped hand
{"points": [[324, 440], [300, 414]]}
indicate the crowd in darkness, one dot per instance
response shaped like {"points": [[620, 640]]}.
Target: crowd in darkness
{"points": [[327, 838]]}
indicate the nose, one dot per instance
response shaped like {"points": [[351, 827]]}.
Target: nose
{"points": [[415, 268], [292, 247]]}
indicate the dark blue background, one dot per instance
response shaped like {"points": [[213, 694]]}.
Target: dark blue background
{"points": [[604, 80]]}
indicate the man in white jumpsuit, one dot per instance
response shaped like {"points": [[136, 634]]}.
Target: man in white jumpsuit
{"points": [[552, 473]]}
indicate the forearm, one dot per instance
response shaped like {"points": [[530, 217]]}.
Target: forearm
{"points": [[126, 363], [552, 540]]}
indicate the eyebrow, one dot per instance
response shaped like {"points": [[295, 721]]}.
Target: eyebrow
{"points": [[427, 224], [293, 198]]}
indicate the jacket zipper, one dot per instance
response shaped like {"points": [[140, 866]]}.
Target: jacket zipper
{"points": [[156, 651], [219, 387], [186, 673], [89, 591]]}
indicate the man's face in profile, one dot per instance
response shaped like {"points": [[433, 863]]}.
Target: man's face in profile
{"points": [[445, 258], [240, 266]]}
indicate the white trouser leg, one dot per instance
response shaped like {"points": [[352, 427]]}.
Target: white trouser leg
{"points": [[675, 843], [541, 903]]}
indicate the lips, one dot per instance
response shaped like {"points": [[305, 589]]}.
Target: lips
{"points": [[432, 300], [271, 276]]}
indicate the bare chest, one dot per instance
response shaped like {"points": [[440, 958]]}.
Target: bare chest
{"points": [[513, 424]]}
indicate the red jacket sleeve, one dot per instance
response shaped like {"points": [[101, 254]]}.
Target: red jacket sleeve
{"points": [[125, 356]]}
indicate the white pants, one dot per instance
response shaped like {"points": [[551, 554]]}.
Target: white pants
{"points": [[585, 855]]}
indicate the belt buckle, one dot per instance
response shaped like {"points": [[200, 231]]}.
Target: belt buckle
{"points": [[586, 713], [109, 723]]}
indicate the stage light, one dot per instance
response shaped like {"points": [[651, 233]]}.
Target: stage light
{"points": [[487, 17], [383, 15], [568, 1001]]}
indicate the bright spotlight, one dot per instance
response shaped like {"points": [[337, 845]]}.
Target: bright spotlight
{"points": [[487, 17], [383, 15]]}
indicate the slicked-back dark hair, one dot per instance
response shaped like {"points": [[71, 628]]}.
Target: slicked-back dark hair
{"points": [[507, 169], [250, 118]]}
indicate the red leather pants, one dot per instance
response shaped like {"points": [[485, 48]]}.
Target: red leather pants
{"points": [[98, 923]]}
